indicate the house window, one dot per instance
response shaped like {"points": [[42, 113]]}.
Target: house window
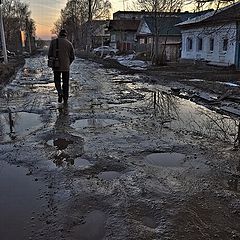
{"points": [[149, 40], [142, 41], [225, 44], [211, 44], [113, 38], [189, 44], [199, 44]]}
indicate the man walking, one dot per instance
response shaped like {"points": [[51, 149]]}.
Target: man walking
{"points": [[62, 52]]}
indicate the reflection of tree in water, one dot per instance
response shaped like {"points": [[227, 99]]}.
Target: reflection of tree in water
{"points": [[11, 119], [64, 142], [187, 116], [163, 108], [213, 125]]}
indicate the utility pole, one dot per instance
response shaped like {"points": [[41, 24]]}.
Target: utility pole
{"points": [[90, 23], [4, 48], [28, 36]]}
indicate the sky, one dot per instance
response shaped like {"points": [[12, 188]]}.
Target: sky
{"points": [[46, 12]]}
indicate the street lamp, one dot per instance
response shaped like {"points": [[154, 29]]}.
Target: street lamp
{"points": [[4, 49]]}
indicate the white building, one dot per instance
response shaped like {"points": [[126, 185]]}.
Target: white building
{"points": [[213, 37]]}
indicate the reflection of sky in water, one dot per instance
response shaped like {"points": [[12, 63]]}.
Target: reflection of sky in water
{"points": [[18, 201], [30, 74], [93, 122], [22, 122], [184, 115], [165, 159], [199, 119]]}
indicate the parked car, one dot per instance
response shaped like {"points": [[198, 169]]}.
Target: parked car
{"points": [[105, 50]]}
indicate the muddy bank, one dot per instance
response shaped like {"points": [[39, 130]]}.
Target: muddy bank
{"points": [[10, 69], [181, 72], [106, 62]]}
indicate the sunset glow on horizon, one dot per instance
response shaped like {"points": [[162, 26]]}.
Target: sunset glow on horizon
{"points": [[46, 12]]}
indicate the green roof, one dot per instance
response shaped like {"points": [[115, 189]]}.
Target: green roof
{"points": [[163, 25]]}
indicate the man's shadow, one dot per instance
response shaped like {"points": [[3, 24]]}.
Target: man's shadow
{"points": [[63, 120], [68, 146], [62, 140]]}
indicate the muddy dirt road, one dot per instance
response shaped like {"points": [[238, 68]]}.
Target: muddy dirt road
{"points": [[124, 160]]}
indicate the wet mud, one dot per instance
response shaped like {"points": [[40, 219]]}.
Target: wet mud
{"points": [[22, 202], [125, 159]]}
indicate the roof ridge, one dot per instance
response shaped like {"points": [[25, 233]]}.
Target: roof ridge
{"points": [[206, 15]]}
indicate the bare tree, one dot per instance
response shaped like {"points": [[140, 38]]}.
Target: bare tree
{"points": [[200, 5], [159, 5], [78, 12], [159, 8], [15, 13]]}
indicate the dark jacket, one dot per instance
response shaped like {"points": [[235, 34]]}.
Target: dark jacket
{"points": [[65, 53]]}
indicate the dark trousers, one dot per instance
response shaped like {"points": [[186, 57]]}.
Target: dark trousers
{"points": [[64, 88]]}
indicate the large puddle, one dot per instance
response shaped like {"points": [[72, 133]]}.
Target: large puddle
{"points": [[14, 125], [94, 123], [60, 143], [20, 203], [185, 116], [165, 159], [91, 228], [198, 119], [109, 175], [81, 163]]}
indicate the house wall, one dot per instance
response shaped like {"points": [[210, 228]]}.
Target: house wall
{"points": [[237, 59], [216, 36], [124, 40], [170, 45], [172, 52]]}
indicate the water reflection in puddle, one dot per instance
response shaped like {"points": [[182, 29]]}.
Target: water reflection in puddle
{"points": [[62, 159], [184, 115], [94, 123], [59, 143], [17, 124], [165, 159], [92, 227], [19, 202], [109, 175], [200, 120], [81, 163]]}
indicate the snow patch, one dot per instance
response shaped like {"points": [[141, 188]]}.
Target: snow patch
{"points": [[129, 61]]}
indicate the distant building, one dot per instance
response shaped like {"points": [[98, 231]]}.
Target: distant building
{"points": [[169, 36], [135, 15], [123, 34], [213, 37], [94, 34], [137, 30]]}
